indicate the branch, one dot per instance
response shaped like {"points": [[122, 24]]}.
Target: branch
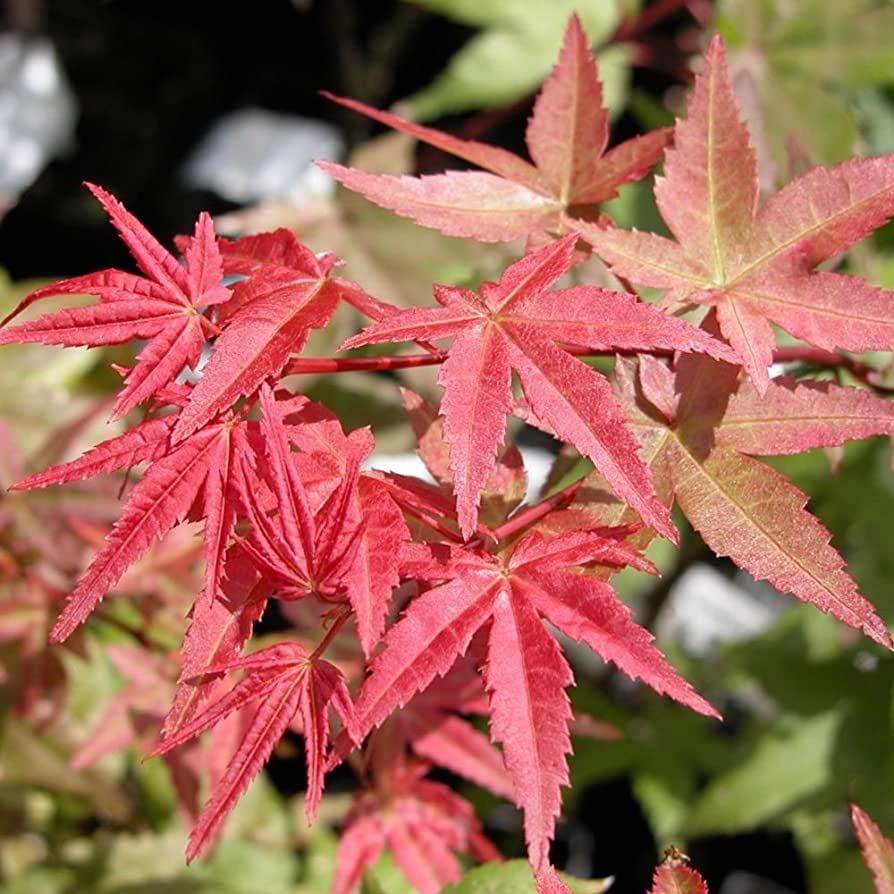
{"points": [[305, 365], [797, 354], [343, 614]]}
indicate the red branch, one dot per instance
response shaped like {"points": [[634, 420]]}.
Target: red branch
{"points": [[304, 365], [314, 365]]}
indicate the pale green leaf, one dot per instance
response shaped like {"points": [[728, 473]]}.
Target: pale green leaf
{"points": [[784, 768], [515, 51]]}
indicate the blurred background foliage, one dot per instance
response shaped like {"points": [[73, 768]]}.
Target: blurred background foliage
{"points": [[757, 802]]}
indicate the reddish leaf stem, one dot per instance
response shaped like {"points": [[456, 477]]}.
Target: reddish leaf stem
{"points": [[340, 619], [443, 530], [535, 512]]}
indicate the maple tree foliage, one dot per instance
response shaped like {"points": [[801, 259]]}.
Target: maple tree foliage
{"points": [[426, 604]]}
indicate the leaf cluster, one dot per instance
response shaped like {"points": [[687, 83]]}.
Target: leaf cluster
{"points": [[425, 603]]}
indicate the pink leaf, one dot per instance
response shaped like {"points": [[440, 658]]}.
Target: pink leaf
{"points": [[165, 309], [755, 265], [747, 511], [257, 343], [468, 204], [566, 137]]}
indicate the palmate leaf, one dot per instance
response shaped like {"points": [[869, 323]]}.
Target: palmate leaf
{"points": [[345, 547], [515, 324], [566, 138], [422, 822], [285, 680], [165, 308], [741, 507], [525, 671], [754, 265]]}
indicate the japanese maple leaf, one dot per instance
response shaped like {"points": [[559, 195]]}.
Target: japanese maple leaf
{"points": [[566, 137], [164, 307], [514, 325], [287, 294], [524, 671], [346, 548], [420, 821], [699, 427], [754, 264], [282, 681], [200, 467], [878, 852]]}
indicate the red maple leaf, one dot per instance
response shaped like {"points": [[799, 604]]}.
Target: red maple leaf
{"points": [[566, 137], [420, 821], [754, 265], [515, 325], [697, 425], [346, 547], [283, 680], [165, 309], [524, 671]]}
